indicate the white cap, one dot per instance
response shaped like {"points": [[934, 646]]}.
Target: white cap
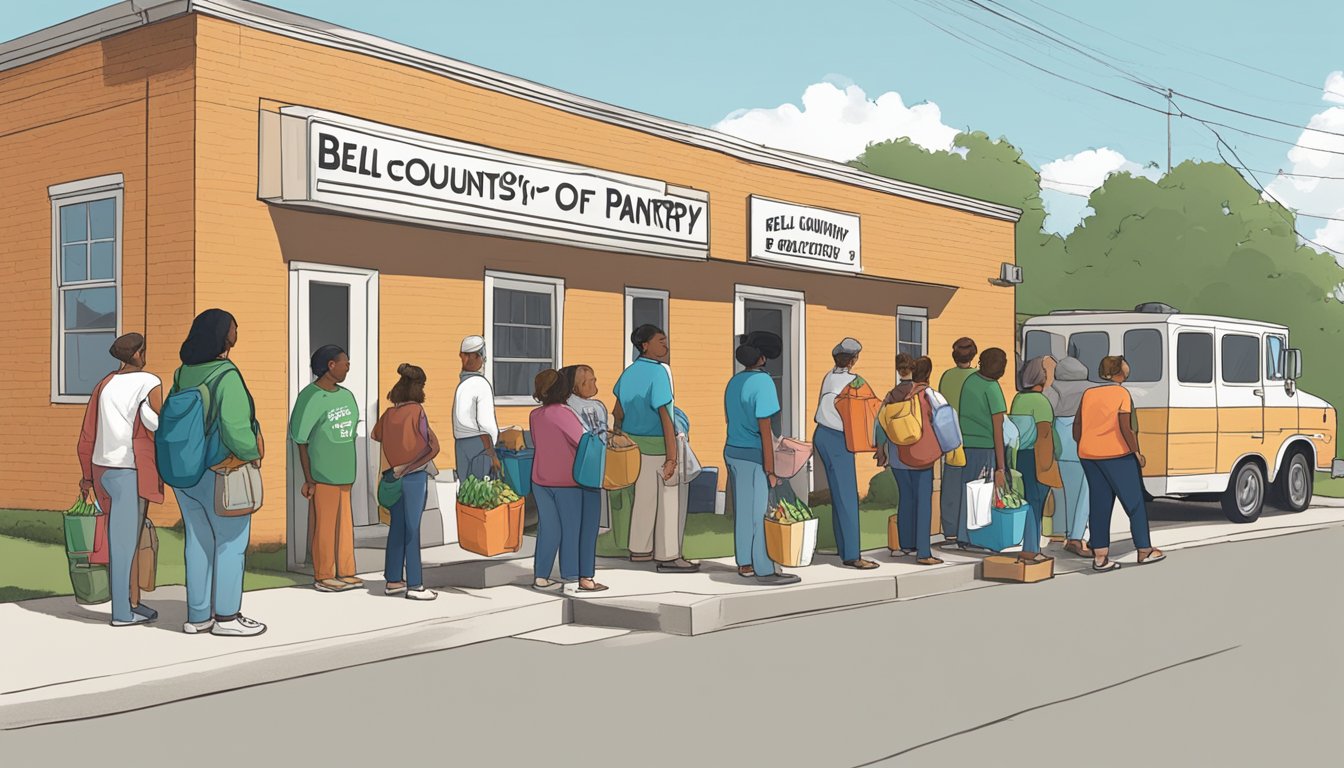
{"points": [[474, 344]]}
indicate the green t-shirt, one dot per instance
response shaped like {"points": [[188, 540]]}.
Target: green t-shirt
{"points": [[980, 400], [949, 386], [1036, 406], [325, 422]]}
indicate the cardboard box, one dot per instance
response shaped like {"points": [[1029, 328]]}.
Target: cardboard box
{"points": [[1007, 568], [511, 438]]}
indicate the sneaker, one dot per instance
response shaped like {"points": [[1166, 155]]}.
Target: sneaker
{"points": [[135, 619], [144, 610], [353, 581], [239, 626], [198, 627], [680, 565], [778, 579], [421, 594]]}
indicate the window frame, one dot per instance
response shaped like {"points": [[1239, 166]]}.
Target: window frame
{"points": [[632, 293], [529, 283], [918, 315], [111, 186], [1222, 359], [1213, 357]]}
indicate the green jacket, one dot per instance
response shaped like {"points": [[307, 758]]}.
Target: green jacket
{"points": [[235, 405]]}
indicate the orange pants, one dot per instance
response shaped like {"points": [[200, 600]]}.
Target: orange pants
{"points": [[331, 537]]}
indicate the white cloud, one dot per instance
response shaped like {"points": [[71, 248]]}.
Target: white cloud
{"points": [[1334, 87], [1313, 157], [838, 122], [1067, 182]]}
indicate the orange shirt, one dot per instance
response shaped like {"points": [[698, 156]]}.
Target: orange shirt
{"points": [[1100, 413]]}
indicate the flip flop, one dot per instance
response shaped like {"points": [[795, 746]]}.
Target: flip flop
{"points": [[1154, 558], [1106, 565]]}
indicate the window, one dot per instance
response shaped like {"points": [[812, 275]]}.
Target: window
{"points": [[642, 305], [86, 284], [1143, 352], [524, 322], [1275, 359], [1194, 358], [912, 331], [1089, 348], [1040, 343], [1241, 359]]}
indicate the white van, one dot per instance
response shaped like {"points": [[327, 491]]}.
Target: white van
{"points": [[1220, 415]]}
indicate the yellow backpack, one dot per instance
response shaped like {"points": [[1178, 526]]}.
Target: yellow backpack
{"points": [[903, 422]]}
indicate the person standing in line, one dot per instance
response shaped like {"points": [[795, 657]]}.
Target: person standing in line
{"points": [[1071, 500], [323, 426], [981, 416], [749, 402], [1109, 451], [578, 554], [952, 495], [409, 445], [644, 413], [829, 441], [216, 544], [475, 429], [116, 454], [1032, 410], [912, 465]]}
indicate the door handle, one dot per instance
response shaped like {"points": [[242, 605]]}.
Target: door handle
{"points": [[1259, 393]]}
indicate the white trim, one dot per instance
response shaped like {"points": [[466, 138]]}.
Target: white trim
{"points": [[62, 195], [309, 266], [123, 17], [917, 314], [797, 303], [521, 282], [642, 293]]}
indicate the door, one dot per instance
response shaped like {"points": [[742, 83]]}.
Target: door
{"points": [[330, 305], [1241, 397], [780, 312], [1280, 397], [1192, 419]]}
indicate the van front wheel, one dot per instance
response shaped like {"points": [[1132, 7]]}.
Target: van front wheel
{"points": [[1292, 489], [1245, 497]]}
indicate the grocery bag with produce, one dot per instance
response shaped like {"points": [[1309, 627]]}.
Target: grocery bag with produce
{"points": [[790, 533], [489, 517]]}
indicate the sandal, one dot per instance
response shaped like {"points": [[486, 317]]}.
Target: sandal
{"points": [[1077, 548], [1155, 555], [641, 557], [929, 561], [1106, 565], [1025, 558], [593, 586], [861, 564], [746, 571]]}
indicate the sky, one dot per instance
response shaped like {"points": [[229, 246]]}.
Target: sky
{"points": [[828, 78]]}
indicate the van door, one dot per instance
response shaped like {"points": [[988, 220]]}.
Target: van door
{"points": [[1241, 398], [1192, 421], [1280, 399]]}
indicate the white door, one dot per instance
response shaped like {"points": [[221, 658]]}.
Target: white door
{"points": [[334, 305], [782, 313]]}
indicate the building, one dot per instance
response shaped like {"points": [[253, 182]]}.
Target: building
{"points": [[324, 186]]}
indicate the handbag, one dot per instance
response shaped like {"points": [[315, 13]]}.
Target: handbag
{"points": [[238, 491], [590, 459], [688, 465], [623, 460], [1047, 469], [389, 489], [100, 554], [979, 504], [147, 558], [956, 457], [791, 456]]}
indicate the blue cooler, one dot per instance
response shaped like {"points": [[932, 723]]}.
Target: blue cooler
{"points": [[1005, 529], [703, 491], [517, 470]]}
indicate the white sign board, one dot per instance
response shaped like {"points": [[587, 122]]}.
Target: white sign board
{"points": [[799, 236], [369, 168]]}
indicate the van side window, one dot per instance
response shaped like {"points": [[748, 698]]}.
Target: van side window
{"points": [[1274, 357], [1038, 344], [1143, 352], [1241, 359], [1089, 348], [1194, 358]]}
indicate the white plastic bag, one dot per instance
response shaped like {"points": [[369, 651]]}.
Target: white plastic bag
{"points": [[979, 504]]}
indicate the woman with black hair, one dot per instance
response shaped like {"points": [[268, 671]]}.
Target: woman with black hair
{"points": [[216, 544], [749, 402]]}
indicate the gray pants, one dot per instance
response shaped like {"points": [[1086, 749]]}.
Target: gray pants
{"points": [[952, 503], [472, 459], [124, 522]]}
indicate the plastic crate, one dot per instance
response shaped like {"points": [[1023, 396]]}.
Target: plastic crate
{"points": [[1005, 529]]}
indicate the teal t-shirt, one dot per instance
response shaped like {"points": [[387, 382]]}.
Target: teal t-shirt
{"points": [[1035, 406], [980, 400], [643, 390], [325, 422], [750, 396]]}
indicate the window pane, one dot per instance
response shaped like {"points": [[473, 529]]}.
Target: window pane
{"points": [[645, 310], [514, 341], [74, 263], [1274, 362], [515, 379], [102, 219], [1194, 358], [1143, 352], [91, 309], [74, 223], [328, 316], [87, 361], [101, 261], [1241, 359], [508, 306], [1089, 348], [538, 308], [1038, 344]]}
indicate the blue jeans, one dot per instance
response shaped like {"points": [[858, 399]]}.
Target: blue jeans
{"points": [[1035, 493], [838, 463], [403, 535], [952, 500], [1108, 480], [751, 497], [578, 548], [216, 547], [914, 512], [124, 521], [978, 461], [559, 518], [1075, 501]]}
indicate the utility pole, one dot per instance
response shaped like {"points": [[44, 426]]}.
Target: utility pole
{"points": [[1169, 130]]}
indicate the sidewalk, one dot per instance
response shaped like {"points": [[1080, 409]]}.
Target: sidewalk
{"points": [[63, 662]]}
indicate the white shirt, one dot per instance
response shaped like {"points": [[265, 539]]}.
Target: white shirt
{"points": [[121, 397], [592, 413], [834, 383], [474, 409]]}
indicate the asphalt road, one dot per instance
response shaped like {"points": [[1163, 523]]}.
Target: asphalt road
{"points": [[1226, 655]]}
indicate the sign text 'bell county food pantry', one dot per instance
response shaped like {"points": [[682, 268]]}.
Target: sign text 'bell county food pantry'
{"points": [[492, 189], [800, 236]]}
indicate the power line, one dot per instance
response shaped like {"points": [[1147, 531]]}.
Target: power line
{"points": [[1261, 189], [1255, 116]]}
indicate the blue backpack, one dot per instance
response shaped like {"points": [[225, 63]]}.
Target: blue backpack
{"points": [[946, 424], [187, 442], [590, 460]]}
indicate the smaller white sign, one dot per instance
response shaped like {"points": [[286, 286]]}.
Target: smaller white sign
{"points": [[800, 236]]}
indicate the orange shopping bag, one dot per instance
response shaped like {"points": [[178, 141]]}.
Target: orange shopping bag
{"points": [[858, 407]]}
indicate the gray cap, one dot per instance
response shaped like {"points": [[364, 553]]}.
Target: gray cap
{"points": [[473, 344], [847, 346]]}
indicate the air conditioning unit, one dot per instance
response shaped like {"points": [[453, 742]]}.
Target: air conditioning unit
{"points": [[1009, 276]]}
